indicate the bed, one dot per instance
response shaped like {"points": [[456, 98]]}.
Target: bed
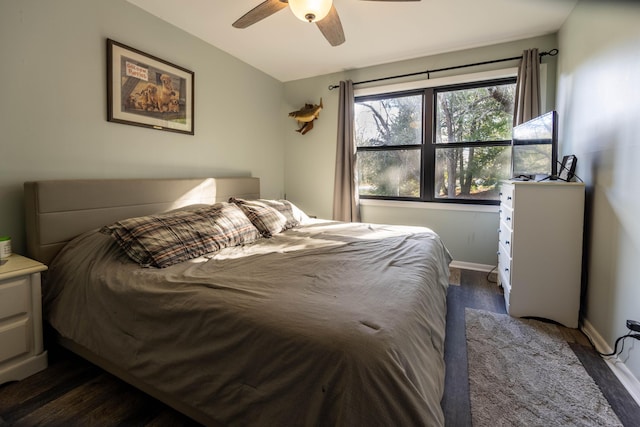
{"points": [[317, 323]]}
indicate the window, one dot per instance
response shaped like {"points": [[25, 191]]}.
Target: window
{"points": [[448, 143]]}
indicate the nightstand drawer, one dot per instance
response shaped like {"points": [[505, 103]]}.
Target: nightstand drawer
{"points": [[21, 350], [15, 297], [14, 339]]}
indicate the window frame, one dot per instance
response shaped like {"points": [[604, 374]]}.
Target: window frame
{"points": [[379, 148], [429, 90]]}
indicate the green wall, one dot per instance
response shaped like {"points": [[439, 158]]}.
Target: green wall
{"points": [[53, 110], [599, 99]]}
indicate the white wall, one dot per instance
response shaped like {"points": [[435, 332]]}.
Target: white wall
{"points": [[599, 98], [471, 236], [53, 110]]}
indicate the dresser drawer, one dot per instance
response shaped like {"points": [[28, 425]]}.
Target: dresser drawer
{"points": [[505, 238], [15, 297], [506, 288], [506, 195], [506, 216], [15, 339], [504, 267]]}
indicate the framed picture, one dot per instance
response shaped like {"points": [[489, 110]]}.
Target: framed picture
{"points": [[568, 168], [143, 90]]}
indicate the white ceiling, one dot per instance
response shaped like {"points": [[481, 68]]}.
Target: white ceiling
{"points": [[376, 32]]}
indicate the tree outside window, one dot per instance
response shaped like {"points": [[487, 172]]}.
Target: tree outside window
{"points": [[389, 139], [438, 144]]}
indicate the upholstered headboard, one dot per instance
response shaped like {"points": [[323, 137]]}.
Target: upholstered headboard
{"points": [[57, 211]]}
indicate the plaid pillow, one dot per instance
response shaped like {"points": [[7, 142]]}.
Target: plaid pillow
{"points": [[286, 208], [266, 219], [169, 238]]}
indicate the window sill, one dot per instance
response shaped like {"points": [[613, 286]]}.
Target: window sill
{"points": [[427, 205]]}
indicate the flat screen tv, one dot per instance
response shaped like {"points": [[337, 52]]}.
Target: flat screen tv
{"points": [[534, 145]]}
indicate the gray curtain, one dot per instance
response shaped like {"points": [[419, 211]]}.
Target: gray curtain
{"points": [[527, 104], [345, 193]]}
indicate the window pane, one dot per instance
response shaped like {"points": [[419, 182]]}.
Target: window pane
{"points": [[477, 114], [389, 121], [471, 172], [392, 173]]}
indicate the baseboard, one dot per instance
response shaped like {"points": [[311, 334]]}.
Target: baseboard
{"points": [[617, 366], [471, 266]]}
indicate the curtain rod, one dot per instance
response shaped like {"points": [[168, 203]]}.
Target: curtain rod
{"points": [[552, 52]]}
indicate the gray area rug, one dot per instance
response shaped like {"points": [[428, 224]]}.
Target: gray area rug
{"points": [[523, 373]]}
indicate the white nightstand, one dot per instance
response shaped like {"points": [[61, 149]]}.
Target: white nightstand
{"points": [[21, 350]]}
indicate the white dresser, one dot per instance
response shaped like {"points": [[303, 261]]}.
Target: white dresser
{"points": [[540, 249], [21, 350]]}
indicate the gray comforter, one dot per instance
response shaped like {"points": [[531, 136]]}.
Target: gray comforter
{"points": [[328, 324]]}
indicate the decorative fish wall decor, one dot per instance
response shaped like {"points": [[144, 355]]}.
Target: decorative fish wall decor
{"points": [[306, 115]]}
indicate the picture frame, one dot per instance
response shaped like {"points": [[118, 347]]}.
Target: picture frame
{"points": [[144, 90], [568, 168]]}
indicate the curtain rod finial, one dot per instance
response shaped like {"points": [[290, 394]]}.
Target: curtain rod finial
{"points": [[552, 52]]}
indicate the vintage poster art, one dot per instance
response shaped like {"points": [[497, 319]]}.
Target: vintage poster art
{"points": [[143, 90]]}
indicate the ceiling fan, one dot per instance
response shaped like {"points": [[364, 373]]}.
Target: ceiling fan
{"points": [[322, 12]]}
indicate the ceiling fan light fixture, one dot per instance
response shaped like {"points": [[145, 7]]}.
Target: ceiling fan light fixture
{"points": [[310, 10]]}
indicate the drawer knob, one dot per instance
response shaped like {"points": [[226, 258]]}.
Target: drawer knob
{"points": [[507, 242], [508, 197], [508, 218], [506, 270]]}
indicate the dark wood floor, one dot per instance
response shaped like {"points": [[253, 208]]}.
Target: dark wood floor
{"points": [[73, 392]]}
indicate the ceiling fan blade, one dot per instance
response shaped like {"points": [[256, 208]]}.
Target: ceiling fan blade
{"points": [[331, 27], [258, 13]]}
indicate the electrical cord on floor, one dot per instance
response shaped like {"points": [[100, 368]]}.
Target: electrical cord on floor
{"points": [[489, 274], [615, 346]]}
